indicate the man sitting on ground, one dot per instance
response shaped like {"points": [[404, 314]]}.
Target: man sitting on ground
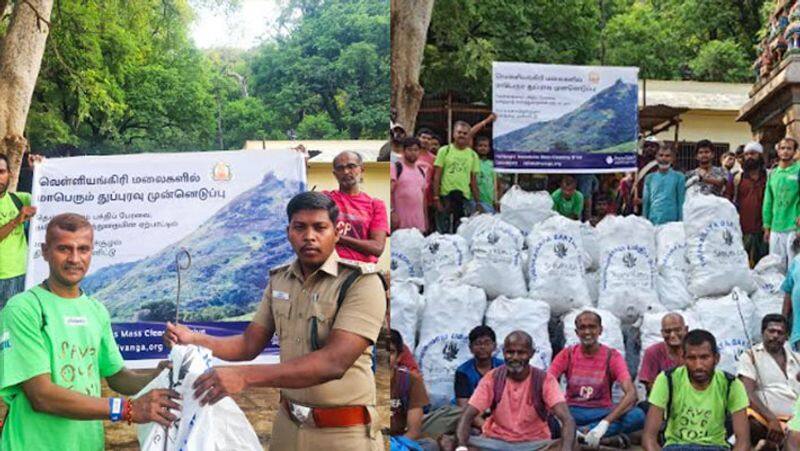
{"points": [[520, 398], [695, 399], [666, 354], [769, 373], [591, 370]]}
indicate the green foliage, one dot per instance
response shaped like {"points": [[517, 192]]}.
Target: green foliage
{"points": [[720, 60]]}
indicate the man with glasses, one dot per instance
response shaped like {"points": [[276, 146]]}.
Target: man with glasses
{"points": [[363, 224], [666, 354]]}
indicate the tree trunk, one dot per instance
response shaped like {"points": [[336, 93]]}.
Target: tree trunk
{"points": [[410, 20], [21, 51]]}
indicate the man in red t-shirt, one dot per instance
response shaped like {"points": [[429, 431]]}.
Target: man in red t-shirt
{"points": [[666, 354], [362, 224], [591, 370]]}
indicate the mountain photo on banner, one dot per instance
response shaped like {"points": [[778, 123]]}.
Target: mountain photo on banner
{"points": [[606, 123]]}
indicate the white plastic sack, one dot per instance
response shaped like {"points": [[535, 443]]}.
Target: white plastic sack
{"points": [[768, 277], [442, 256], [212, 427], [716, 255], [591, 246], [732, 319], [627, 266], [406, 245], [506, 315], [555, 266], [592, 279], [612, 331], [452, 310], [672, 281], [496, 260], [472, 224], [524, 209], [406, 304]]}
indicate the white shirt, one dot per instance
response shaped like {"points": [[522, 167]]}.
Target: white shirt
{"points": [[776, 389]]}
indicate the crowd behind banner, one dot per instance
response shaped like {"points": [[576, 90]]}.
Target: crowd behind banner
{"points": [[668, 369]]}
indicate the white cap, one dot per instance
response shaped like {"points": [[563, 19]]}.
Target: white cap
{"points": [[652, 139], [753, 146]]}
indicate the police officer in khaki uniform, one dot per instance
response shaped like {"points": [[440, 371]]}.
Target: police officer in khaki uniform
{"points": [[327, 314]]}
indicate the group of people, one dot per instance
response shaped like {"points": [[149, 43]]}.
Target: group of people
{"points": [[56, 341], [507, 404]]}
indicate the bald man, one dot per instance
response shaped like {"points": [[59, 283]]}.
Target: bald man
{"points": [[666, 354]]}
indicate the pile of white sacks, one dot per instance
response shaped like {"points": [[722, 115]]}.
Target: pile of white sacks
{"points": [[527, 265]]}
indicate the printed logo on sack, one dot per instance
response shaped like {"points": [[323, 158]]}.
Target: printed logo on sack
{"points": [[433, 247], [560, 249], [493, 238], [728, 237], [450, 350], [393, 265], [629, 260], [5, 341]]}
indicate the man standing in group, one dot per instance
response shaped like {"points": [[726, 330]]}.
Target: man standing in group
{"points": [[592, 369], [747, 193], [327, 387], [15, 210], [520, 398], [695, 398], [706, 178], [56, 344], [666, 354], [664, 191], [782, 202], [362, 225], [567, 200], [455, 185], [427, 154], [729, 164], [769, 373], [409, 182]]}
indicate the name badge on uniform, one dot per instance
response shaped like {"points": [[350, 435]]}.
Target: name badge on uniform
{"points": [[280, 295], [74, 320]]}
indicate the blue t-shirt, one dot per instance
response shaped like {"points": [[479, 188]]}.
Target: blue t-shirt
{"points": [[791, 286], [467, 378]]}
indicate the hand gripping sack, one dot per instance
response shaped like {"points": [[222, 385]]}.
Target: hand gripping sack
{"points": [[406, 307], [496, 260], [442, 256], [555, 266], [406, 245], [506, 315], [524, 209], [732, 319], [451, 310], [716, 255], [612, 329], [627, 266], [199, 428], [768, 278], [672, 281]]}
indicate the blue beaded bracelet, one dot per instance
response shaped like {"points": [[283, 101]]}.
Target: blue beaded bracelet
{"points": [[115, 406]]}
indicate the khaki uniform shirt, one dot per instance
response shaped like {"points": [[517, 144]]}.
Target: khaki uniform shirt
{"points": [[289, 303]]}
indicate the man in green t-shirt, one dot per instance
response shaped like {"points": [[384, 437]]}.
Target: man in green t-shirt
{"points": [[486, 177], [781, 208], [455, 184], [697, 398], [15, 209], [56, 344], [567, 200]]}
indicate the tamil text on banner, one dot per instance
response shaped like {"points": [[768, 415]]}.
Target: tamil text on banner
{"points": [[226, 209], [564, 119]]}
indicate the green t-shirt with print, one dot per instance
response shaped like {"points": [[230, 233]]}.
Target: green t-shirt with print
{"points": [[571, 208], [698, 417], [14, 247], [486, 181], [71, 339], [457, 165], [782, 199]]}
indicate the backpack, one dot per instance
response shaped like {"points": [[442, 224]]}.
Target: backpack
{"points": [[18, 203], [537, 385], [729, 377], [398, 167]]}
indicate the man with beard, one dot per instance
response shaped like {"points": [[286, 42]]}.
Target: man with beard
{"points": [[591, 370], [695, 399], [747, 193], [455, 183], [769, 373], [56, 344], [666, 354], [520, 397], [706, 178], [781, 208], [15, 211], [362, 225], [664, 191]]}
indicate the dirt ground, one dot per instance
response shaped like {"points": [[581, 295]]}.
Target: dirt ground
{"points": [[260, 405]]}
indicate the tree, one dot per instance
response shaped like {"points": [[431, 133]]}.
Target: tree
{"points": [[21, 50], [720, 61], [410, 21]]}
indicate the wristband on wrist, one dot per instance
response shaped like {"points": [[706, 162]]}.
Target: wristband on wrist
{"points": [[127, 411], [115, 406]]}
